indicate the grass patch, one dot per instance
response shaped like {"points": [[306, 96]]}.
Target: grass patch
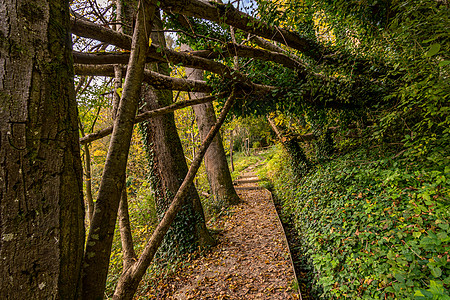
{"points": [[242, 162]]}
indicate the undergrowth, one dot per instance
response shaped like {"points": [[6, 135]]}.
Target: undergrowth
{"points": [[375, 224]]}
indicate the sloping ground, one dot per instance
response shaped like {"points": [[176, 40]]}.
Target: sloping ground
{"points": [[251, 261]]}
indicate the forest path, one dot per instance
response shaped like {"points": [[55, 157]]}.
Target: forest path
{"points": [[251, 260]]}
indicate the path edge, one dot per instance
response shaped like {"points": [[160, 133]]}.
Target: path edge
{"points": [[287, 244]]}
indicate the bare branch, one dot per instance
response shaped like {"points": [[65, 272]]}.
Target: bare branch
{"points": [[232, 49], [94, 31], [144, 116], [155, 79]]}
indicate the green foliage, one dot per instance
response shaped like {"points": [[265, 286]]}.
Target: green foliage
{"points": [[242, 162], [377, 227], [143, 221], [255, 129]]}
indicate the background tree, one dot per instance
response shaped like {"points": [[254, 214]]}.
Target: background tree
{"points": [[216, 164], [169, 168]]}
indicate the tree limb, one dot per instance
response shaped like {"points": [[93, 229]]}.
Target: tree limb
{"points": [[144, 116], [233, 49], [227, 14], [155, 79], [97, 32]]}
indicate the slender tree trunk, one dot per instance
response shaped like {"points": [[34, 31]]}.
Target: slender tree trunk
{"points": [[216, 164], [98, 249], [87, 176], [126, 235], [41, 201], [88, 182], [125, 231], [168, 168], [231, 150], [87, 159]]}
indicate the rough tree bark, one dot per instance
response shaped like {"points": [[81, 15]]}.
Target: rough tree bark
{"points": [[216, 164], [168, 169], [41, 202], [98, 248]]}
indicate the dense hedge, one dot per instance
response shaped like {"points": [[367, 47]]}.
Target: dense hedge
{"points": [[376, 227]]}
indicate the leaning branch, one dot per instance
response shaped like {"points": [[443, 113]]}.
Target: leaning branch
{"points": [[130, 278], [146, 115], [101, 232], [155, 79], [233, 49]]}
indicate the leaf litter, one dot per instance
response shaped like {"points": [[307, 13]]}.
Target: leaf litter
{"points": [[250, 261]]}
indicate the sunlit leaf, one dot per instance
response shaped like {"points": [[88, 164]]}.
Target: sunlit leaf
{"points": [[434, 49]]}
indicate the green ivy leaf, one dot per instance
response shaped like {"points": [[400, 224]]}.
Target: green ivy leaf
{"points": [[434, 49], [436, 272], [443, 63]]}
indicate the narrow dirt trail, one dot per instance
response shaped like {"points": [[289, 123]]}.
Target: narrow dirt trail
{"points": [[251, 260]]}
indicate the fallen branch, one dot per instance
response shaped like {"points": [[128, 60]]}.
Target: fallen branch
{"points": [[233, 49], [97, 32]]}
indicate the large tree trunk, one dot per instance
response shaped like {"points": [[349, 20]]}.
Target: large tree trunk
{"points": [[98, 248], [216, 164], [41, 201], [169, 168]]}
